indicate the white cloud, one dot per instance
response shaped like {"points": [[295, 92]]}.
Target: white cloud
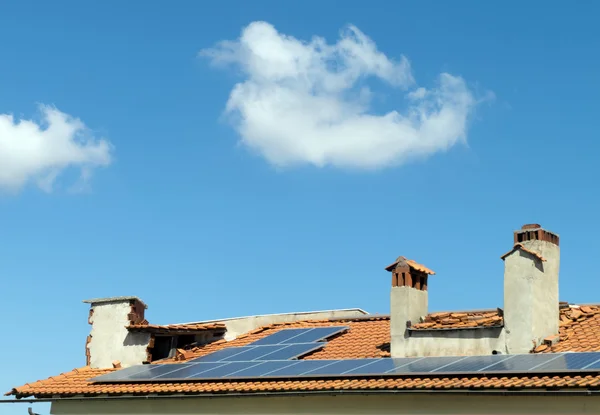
{"points": [[39, 152], [306, 102]]}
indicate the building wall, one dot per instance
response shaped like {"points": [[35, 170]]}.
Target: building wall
{"points": [[481, 341], [421, 403], [110, 338]]}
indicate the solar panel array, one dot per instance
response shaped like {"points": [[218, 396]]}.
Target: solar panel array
{"points": [[273, 357]]}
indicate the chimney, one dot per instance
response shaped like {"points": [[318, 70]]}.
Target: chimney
{"points": [[109, 339], [531, 303], [408, 300]]}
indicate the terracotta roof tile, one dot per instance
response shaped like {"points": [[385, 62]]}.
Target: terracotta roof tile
{"points": [[522, 248], [579, 330], [460, 320], [413, 264], [76, 383], [366, 338]]}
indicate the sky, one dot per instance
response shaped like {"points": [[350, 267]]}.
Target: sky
{"points": [[237, 158]]}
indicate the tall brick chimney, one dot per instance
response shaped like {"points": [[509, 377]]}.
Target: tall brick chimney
{"points": [[408, 300], [531, 271]]}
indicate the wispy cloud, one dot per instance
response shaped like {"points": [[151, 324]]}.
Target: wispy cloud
{"points": [[305, 101], [39, 151]]}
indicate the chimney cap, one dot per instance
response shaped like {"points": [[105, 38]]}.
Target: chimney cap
{"points": [[531, 226], [114, 300], [412, 264]]}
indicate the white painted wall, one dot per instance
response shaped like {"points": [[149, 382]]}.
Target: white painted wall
{"points": [[480, 341], [406, 304], [420, 403], [110, 338], [531, 296]]}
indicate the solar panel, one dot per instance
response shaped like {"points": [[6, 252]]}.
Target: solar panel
{"points": [[472, 363], [338, 367], [570, 361], [188, 370], [293, 351], [153, 371], [278, 366], [224, 370], [222, 354], [520, 363], [301, 367], [254, 353], [121, 373], [316, 334], [265, 367], [279, 336]]}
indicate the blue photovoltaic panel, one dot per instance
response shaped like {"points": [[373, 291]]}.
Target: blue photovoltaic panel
{"points": [[279, 336], [316, 334], [422, 365], [224, 371], [153, 371], [121, 374], [265, 367], [254, 353], [338, 367], [183, 371], [292, 351], [221, 354], [520, 363], [594, 365], [525, 363], [570, 361], [472, 363], [301, 367]]}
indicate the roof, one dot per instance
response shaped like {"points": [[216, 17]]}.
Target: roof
{"points": [[368, 337], [461, 320], [175, 328], [413, 264], [522, 248]]}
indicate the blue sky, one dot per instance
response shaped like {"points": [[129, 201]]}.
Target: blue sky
{"points": [[299, 195]]}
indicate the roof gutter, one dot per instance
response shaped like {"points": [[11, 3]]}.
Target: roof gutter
{"points": [[503, 392]]}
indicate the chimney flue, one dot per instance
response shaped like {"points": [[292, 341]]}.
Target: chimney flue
{"points": [[531, 303], [408, 300]]}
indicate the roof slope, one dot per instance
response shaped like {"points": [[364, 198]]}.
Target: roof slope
{"points": [[367, 338]]}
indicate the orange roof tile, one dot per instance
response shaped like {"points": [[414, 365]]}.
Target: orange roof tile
{"points": [[367, 338], [522, 248], [179, 328], [413, 264], [579, 330], [460, 320]]}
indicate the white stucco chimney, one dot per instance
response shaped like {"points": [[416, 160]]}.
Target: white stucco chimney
{"points": [[408, 301], [110, 340], [531, 303]]}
